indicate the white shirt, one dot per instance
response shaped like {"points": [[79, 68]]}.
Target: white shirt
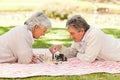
{"points": [[16, 45], [97, 45]]}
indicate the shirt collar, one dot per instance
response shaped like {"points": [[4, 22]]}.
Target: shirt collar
{"points": [[83, 39]]}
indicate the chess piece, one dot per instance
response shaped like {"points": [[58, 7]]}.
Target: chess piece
{"points": [[61, 57]]}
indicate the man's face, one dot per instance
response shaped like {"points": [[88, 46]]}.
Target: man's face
{"points": [[75, 35], [37, 32]]}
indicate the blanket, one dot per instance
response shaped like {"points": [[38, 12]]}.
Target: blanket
{"points": [[71, 67]]}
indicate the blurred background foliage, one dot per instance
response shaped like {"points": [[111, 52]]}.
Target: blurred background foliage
{"points": [[61, 9]]}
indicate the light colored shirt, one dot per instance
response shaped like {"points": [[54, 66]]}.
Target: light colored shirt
{"points": [[95, 45], [16, 45], [31, 36]]}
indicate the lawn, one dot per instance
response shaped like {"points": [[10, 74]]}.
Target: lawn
{"points": [[61, 36]]}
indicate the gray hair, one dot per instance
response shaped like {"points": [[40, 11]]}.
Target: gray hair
{"points": [[37, 19], [77, 22]]}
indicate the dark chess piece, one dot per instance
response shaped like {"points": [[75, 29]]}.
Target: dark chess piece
{"points": [[61, 57]]}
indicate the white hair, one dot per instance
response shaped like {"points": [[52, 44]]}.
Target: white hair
{"points": [[38, 19]]}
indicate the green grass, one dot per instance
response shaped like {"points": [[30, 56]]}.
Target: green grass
{"points": [[112, 31], [61, 36], [94, 76], [53, 36]]}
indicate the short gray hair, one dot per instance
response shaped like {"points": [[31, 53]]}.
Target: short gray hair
{"points": [[77, 22], [38, 19]]}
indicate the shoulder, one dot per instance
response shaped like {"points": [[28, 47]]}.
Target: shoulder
{"points": [[19, 32], [93, 31], [19, 28]]}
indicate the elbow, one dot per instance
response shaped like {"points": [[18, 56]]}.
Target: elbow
{"points": [[25, 60], [86, 59], [89, 60]]}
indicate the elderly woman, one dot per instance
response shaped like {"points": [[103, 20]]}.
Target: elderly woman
{"points": [[16, 44], [90, 43]]}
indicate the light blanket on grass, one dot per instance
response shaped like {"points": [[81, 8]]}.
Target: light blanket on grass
{"points": [[72, 67]]}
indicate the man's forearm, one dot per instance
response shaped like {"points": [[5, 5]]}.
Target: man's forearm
{"points": [[68, 51]]}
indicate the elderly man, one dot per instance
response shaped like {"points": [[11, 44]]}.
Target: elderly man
{"points": [[16, 44], [90, 43]]}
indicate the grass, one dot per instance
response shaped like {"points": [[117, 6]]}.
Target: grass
{"points": [[61, 36], [94, 76], [53, 36], [112, 31]]}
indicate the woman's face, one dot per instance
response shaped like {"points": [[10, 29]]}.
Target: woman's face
{"points": [[37, 32]]}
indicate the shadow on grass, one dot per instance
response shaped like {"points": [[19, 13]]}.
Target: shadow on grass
{"points": [[46, 43], [59, 35]]}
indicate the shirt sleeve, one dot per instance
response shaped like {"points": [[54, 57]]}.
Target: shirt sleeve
{"points": [[92, 49], [68, 51]]}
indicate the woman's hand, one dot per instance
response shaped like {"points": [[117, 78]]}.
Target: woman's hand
{"points": [[34, 60]]}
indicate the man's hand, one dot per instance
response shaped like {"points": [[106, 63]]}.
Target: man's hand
{"points": [[55, 48], [34, 59]]}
